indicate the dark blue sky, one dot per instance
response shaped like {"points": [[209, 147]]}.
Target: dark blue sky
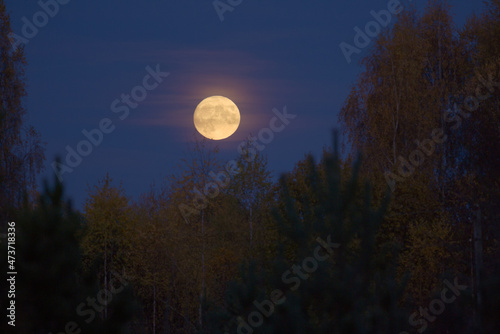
{"points": [[265, 54]]}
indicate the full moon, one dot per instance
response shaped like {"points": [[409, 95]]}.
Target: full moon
{"points": [[216, 117]]}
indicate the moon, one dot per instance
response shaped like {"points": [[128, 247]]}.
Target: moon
{"points": [[216, 117]]}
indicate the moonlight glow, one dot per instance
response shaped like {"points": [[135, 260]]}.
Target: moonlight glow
{"points": [[216, 117]]}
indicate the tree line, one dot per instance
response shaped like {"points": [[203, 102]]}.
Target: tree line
{"points": [[401, 236]]}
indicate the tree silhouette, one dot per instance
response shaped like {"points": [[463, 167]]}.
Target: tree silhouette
{"points": [[21, 148], [337, 280]]}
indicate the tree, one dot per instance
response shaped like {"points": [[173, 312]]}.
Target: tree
{"points": [[225, 206], [107, 214], [52, 293], [401, 115], [150, 260], [336, 281], [21, 148], [252, 185], [476, 194]]}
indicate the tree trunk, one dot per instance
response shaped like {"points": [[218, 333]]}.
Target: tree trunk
{"points": [[478, 252], [105, 273], [154, 308], [202, 267], [251, 229]]}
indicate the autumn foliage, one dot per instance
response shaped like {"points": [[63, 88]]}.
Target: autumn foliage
{"points": [[220, 247]]}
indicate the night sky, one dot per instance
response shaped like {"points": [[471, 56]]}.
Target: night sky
{"points": [[264, 55]]}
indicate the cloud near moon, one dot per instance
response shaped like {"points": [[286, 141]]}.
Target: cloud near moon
{"points": [[216, 117]]}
